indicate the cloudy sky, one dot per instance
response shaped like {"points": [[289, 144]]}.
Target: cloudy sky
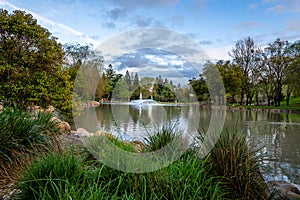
{"points": [[215, 25]]}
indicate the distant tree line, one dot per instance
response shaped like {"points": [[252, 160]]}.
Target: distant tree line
{"points": [[256, 75], [37, 70]]}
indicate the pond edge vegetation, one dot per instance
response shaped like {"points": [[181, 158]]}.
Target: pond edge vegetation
{"points": [[230, 170]]}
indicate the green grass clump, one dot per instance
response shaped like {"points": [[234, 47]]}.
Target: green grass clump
{"points": [[53, 176], [22, 133], [237, 165], [65, 176], [163, 137]]}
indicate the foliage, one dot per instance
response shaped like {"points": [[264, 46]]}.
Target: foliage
{"points": [[245, 55], [276, 63], [64, 176], [24, 134], [53, 176], [237, 166], [31, 63], [163, 137]]}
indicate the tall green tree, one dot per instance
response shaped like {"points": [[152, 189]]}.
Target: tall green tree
{"points": [[277, 61], [244, 55], [292, 75], [31, 63], [76, 55], [214, 83], [200, 88], [112, 77]]}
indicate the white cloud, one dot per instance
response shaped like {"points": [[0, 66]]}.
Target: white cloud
{"points": [[279, 6], [54, 27], [277, 9], [248, 24], [293, 25], [219, 53]]}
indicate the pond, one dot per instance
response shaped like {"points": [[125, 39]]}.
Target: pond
{"points": [[277, 134]]}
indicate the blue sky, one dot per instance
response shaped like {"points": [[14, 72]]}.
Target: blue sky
{"points": [[215, 25]]}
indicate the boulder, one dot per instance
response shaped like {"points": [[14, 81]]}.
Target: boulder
{"points": [[64, 127], [96, 103], [283, 190], [50, 109], [139, 145], [100, 132], [56, 119], [81, 132]]}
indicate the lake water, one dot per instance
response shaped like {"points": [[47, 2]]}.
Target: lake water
{"points": [[277, 134]]}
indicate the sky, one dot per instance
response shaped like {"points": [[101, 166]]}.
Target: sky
{"points": [[214, 25]]}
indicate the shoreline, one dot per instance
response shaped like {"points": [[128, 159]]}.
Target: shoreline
{"points": [[257, 109]]}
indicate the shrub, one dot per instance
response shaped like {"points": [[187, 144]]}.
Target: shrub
{"points": [[164, 136], [53, 176], [23, 133], [237, 165]]}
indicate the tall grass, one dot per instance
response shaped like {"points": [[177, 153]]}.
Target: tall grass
{"points": [[21, 132], [63, 176], [230, 171], [237, 165], [163, 137], [22, 135], [53, 176], [66, 177]]}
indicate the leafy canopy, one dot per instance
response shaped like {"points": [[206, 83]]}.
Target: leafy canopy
{"points": [[31, 63]]}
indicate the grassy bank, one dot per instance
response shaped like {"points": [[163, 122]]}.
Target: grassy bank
{"points": [[294, 105], [230, 171], [23, 136]]}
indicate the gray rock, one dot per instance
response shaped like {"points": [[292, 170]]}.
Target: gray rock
{"points": [[282, 190]]}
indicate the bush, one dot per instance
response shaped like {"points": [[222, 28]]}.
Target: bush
{"points": [[23, 133], [54, 176], [163, 137], [237, 166], [63, 176]]}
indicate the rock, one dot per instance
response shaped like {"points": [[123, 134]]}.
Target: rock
{"points": [[96, 103], [81, 132], [64, 127], [139, 145], [50, 109], [56, 119], [283, 190], [100, 132]]}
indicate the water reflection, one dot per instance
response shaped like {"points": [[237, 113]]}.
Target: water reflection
{"points": [[277, 134]]}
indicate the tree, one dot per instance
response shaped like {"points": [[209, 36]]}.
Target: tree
{"points": [[214, 83], [292, 76], [231, 75], [31, 63], [112, 80], [136, 80], [121, 91], [76, 55], [245, 56], [200, 88], [128, 79], [277, 61]]}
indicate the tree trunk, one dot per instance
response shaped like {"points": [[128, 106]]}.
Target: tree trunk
{"points": [[256, 99], [288, 95], [250, 100], [242, 97]]}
